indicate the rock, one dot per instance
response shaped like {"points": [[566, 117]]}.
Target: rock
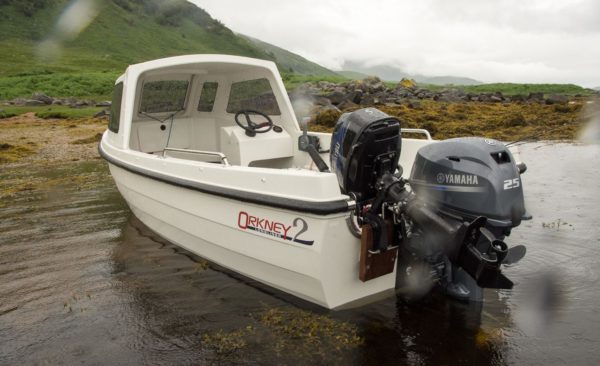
{"points": [[106, 103], [372, 84], [33, 102], [42, 98], [322, 101], [496, 99], [536, 97], [404, 93], [336, 97], [377, 87], [373, 99], [367, 99], [424, 94], [406, 84], [484, 98], [86, 103], [354, 96], [517, 98], [18, 101], [102, 114], [71, 102], [448, 97], [557, 99]]}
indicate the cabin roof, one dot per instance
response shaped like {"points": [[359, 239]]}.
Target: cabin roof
{"points": [[208, 63]]}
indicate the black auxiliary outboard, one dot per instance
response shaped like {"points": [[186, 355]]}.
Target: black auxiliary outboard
{"points": [[450, 218]]}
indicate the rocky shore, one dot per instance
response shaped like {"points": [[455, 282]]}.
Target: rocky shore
{"points": [[372, 91], [445, 114], [41, 99]]}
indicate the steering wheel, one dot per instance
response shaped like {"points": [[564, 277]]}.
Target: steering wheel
{"points": [[251, 127]]}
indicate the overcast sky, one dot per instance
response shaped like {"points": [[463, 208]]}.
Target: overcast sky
{"points": [[535, 41]]}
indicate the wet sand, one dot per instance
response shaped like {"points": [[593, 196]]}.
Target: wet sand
{"points": [[82, 281]]}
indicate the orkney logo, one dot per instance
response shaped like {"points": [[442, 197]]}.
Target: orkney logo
{"points": [[464, 179], [274, 228]]}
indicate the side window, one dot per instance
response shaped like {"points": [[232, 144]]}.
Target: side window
{"points": [[253, 94], [164, 96], [207, 96], [115, 108]]}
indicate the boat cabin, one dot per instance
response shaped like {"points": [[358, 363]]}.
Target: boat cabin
{"points": [[186, 107]]}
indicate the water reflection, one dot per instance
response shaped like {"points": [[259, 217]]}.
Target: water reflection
{"points": [[193, 310], [82, 280]]}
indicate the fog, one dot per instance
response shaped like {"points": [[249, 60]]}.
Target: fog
{"points": [[502, 41]]}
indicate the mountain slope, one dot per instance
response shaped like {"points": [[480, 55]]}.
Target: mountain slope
{"points": [[392, 73], [354, 75], [446, 80], [122, 32], [290, 61]]}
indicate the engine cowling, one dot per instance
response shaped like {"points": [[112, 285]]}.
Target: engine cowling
{"points": [[365, 145], [470, 177]]}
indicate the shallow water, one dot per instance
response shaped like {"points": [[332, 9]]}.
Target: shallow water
{"points": [[83, 281]]}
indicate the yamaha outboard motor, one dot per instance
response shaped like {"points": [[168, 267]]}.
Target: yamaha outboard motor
{"points": [[463, 197]]}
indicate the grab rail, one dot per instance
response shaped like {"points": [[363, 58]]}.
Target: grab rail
{"points": [[199, 152], [417, 130]]}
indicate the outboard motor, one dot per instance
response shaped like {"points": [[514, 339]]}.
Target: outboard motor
{"points": [[365, 145], [463, 197]]}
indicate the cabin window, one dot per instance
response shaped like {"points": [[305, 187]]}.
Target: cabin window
{"points": [[253, 94], [164, 96], [115, 108], [207, 96]]}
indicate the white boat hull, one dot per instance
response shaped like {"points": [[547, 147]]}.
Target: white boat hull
{"points": [[321, 266]]}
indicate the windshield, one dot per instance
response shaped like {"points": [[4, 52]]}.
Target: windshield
{"points": [[254, 95]]}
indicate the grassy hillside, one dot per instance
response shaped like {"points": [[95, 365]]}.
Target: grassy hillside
{"points": [[293, 63], [123, 32]]}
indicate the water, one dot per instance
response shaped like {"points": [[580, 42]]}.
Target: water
{"points": [[82, 281]]}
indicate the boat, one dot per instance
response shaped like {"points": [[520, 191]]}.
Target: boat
{"points": [[207, 152]]}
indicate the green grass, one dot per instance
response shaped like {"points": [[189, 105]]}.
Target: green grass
{"points": [[514, 88], [92, 85], [54, 111], [292, 81]]}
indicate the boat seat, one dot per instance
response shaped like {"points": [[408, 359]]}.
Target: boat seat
{"points": [[241, 149]]}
